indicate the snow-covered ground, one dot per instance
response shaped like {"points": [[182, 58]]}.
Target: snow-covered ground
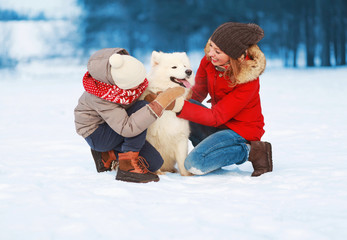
{"points": [[49, 188]]}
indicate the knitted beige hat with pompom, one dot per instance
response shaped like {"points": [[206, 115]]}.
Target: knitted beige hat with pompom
{"points": [[116, 66], [127, 72]]}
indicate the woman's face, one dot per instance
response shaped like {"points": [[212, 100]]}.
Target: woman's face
{"points": [[218, 57]]}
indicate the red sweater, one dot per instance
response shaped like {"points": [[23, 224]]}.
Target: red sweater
{"points": [[237, 108]]}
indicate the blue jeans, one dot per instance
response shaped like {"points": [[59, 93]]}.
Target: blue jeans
{"points": [[104, 139], [214, 148]]}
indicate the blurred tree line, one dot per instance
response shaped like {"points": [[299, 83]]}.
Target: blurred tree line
{"points": [[295, 30], [317, 27]]}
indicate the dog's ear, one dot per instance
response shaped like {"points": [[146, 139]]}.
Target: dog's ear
{"points": [[185, 56], [185, 59], [156, 56]]}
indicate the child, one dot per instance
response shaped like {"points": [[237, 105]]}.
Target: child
{"points": [[114, 122]]}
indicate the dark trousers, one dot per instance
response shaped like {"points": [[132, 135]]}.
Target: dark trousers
{"points": [[104, 139], [199, 132]]}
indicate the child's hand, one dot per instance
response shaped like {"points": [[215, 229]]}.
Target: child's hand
{"points": [[151, 96], [165, 99], [171, 106]]}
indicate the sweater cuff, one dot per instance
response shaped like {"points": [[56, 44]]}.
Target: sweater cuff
{"points": [[156, 108]]}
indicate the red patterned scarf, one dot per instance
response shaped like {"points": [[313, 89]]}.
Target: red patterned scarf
{"points": [[112, 93]]}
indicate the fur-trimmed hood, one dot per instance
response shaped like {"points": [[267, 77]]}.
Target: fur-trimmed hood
{"points": [[252, 68]]}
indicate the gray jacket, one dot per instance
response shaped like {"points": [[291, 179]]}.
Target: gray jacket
{"points": [[92, 111]]}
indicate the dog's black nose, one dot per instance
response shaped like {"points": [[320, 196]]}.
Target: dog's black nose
{"points": [[189, 72]]}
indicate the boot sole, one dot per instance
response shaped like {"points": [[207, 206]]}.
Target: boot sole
{"points": [[135, 177]]}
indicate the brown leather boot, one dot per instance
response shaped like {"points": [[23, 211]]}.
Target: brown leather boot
{"points": [[261, 157], [104, 161], [134, 168]]}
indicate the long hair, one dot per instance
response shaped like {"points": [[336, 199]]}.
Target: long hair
{"points": [[232, 71]]}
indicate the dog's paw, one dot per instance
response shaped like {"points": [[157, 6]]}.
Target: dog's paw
{"points": [[187, 174], [159, 172], [171, 170]]}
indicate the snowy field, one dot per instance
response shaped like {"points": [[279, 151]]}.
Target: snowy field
{"points": [[49, 188]]}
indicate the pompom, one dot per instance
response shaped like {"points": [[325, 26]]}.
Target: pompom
{"points": [[116, 60]]}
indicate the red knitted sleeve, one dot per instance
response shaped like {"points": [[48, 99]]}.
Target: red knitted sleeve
{"points": [[200, 88]]}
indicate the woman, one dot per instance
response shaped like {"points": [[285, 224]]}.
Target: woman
{"points": [[230, 131]]}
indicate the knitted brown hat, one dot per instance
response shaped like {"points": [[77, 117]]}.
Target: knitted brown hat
{"points": [[235, 38]]}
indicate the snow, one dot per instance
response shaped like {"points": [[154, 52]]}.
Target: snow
{"points": [[49, 188], [42, 39]]}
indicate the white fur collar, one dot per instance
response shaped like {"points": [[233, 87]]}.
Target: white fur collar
{"points": [[253, 68]]}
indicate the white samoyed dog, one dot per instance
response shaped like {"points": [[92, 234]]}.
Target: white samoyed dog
{"points": [[169, 134]]}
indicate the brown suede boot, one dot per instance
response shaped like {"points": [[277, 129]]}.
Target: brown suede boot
{"points": [[261, 157], [133, 168], [104, 161]]}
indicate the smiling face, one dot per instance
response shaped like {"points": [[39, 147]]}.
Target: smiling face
{"points": [[218, 57], [180, 72], [170, 70]]}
